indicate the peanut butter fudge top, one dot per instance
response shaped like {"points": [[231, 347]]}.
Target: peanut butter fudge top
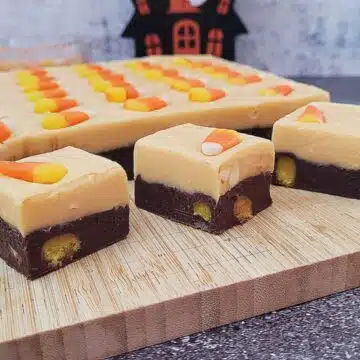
{"points": [[105, 106], [323, 133], [202, 159], [59, 187]]}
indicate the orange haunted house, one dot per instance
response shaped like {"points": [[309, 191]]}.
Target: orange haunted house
{"points": [[177, 27]]}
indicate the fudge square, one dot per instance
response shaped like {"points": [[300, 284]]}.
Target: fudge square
{"points": [[58, 207], [208, 178], [317, 149]]}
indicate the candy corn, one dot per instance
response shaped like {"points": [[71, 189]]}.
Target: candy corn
{"points": [[100, 85], [41, 173], [199, 94], [120, 94], [46, 94], [63, 120], [216, 69], [54, 105], [182, 61], [29, 79], [244, 80], [153, 74], [186, 84], [40, 72], [312, 115], [283, 90], [5, 132], [199, 64], [86, 70], [40, 86], [144, 104], [219, 141]]}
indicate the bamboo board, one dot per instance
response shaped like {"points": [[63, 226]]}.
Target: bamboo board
{"points": [[168, 280]]}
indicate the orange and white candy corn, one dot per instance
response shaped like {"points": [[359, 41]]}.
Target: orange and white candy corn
{"points": [[54, 105], [283, 90], [216, 69], [312, 114], [64, 119], [185, 85], [35, 172], [199, 64], [5, 131], [199, 94], [219, 141], [31, 80], [40, 86], [120, 94], [145, 104], [47, 94], [244, 79]]}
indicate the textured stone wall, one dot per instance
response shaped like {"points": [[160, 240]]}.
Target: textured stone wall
{"points": [[286, 36]]}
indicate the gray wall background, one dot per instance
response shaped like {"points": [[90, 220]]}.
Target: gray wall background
{"points": [[289, 37]]}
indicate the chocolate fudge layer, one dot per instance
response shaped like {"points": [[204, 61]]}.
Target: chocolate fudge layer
{"points": [[49, 249], [235, 207], [305, 175], [123, 156]]}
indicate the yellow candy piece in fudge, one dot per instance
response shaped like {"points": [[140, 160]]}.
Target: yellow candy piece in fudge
{"points": [[203, 210], [35, 96], [83, 70], [199, 94], [64, 119], [49, 173], [243, 208], [100, 85], [28, 80], [181, 61], [35, 172], [312, 114], [45, 105], [153, 74], [285, 171], [60, 248], [116, 94]]}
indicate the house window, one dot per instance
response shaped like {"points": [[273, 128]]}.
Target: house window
{"points": [[215, 42], [223, 7], [143, 7], [186, 37], [153, 44]]}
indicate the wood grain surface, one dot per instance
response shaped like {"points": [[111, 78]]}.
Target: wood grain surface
{"points": [[168, 280]]}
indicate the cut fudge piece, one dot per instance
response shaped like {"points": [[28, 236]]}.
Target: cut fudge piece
{"points": [[208, 178], [317, 149], [58, 207]]}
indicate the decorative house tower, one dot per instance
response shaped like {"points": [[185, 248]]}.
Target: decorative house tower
{"points": [[177, 27]]}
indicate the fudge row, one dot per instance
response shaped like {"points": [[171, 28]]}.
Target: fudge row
{"points": [[105, 108], [61, 206]]}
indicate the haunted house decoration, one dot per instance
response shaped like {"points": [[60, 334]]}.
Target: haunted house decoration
{"points": [[177, 27]]}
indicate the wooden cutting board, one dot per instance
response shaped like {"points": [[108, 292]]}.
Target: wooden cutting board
{"points": [[168, 280]]}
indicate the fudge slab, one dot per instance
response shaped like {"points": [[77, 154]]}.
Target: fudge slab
{"points": [[174, 178], [46, 226], [112, 128], [317, 149]]}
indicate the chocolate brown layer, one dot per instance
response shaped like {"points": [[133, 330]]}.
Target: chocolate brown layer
{"points": [[95, 232], [177, 205], [327, 179], [125, 156], [259, 132]]}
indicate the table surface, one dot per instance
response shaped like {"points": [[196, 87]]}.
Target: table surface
{"points": [[328, 328]]}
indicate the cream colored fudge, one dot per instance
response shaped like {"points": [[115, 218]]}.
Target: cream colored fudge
{"points": [[182, 174], [70, 203], [113, 122], [317, 149]]}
